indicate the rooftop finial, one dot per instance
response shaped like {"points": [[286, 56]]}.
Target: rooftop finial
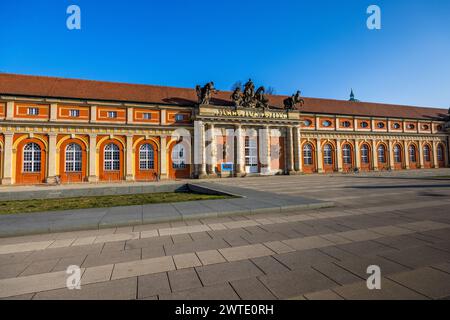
{"points": [[352, 96]]}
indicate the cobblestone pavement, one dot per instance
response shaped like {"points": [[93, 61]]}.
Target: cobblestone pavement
{"points": [[400, 223]]}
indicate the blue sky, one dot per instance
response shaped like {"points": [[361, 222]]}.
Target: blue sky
{"points": [[321, 47]]}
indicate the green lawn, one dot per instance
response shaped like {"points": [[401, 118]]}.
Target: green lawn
{"points": [[27, 206]]}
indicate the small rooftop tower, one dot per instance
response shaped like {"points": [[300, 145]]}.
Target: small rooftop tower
{"points": [[352, 96]]}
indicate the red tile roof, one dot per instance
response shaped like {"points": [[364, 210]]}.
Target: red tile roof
{"points": [[39, 86]]}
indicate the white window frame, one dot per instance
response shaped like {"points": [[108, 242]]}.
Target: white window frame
{"points": [[179, 157], [381, 154], [73, 159], [112, 114], [147, 116], [31, 158], [74, 113], [33, 111], [347, 154], [111, 157], [307, 154], [328, 155], [179, 117], [146, 157], [365, 154]]}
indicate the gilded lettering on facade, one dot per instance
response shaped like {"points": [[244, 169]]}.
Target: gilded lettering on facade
{"points": [[251, 114]]}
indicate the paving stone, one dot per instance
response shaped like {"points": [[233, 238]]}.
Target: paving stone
{"points": [[364, 248], [12, 270], [113, 246], [48, 254], [302, 259], [62, 243], [430, 282], [308, 243], [215, 292], [359, 235], [278, 247], [27, 246], [97, 274], [123, 289], [339, 275], [245, 252], [27, 296], [84, 241], [210, 257], [65, 262], [180, 238], [323, 295], [33, 283], [226, 272], [184, 279], [148, 242], [418, 256], [401, 242], [199, 236], [194, 246], [153, 252], [152, 285], [142, 267], [112, 257], [186, 260], [252, 289], [269, 265], [39, 267], [358, 265], [389, 291], [294, 283], [390, 231], [335, 238], [117, 237], [149, 234]]}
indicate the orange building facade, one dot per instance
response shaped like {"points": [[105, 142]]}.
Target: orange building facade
{"points": [[56, 130]]}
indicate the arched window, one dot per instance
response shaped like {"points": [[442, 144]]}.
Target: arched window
{"points": [[426, 153], [440, 153], [178, 157], [397, 153], [112, 157], [412, 153], [307, 154], [32, 158], [73, 157], [364, 153], [146, 157], [347, 154], [381, 153], [328, 155]]}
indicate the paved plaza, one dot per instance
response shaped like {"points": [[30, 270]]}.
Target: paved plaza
{"points": [[399, 221]]}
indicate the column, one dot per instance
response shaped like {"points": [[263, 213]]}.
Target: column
{"points": [[51, 174], [129, 115], [391, 156], [339, 155], [163, 158], [9, 110], [297, 150], [357, 155], [199, 149], [92, 158], [93, 116], [53, 112], [420, 146], [7, 158], [405, 147], [290, 150], [374, 155], [319, 156], [129, 159], [435, 158], [264, 140], [212, 150], [239, 151]]}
